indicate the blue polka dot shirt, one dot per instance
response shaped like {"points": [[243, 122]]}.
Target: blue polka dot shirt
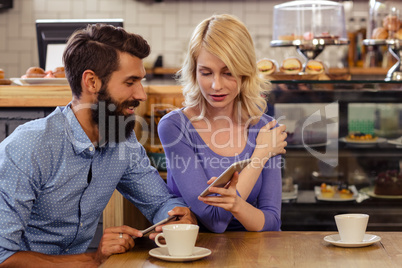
{"points": [[46, 202]]}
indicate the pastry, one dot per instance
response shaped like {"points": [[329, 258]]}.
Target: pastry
{"points": [[58, 72], [344, 191], [1, 74], [359, 136], [398, 34], [315, 67], [308, 36], [327, 191], [290, 37], [379, 33], [266, 67], [49, 74], [291, 66], [391, 23], [34, 72]]}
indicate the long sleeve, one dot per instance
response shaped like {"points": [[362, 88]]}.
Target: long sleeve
{"points": [[270, 196], [143, 186]]}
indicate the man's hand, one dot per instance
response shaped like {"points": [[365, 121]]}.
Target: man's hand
{"points": [[116, 240], [184, 215]]}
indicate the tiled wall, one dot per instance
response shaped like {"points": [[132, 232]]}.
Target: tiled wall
{"points": [[167, 26]]}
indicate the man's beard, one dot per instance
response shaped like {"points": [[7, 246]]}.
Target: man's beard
{"points": [[108, 114]]}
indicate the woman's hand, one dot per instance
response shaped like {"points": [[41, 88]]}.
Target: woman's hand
{"points": [[227, 198], [270, 141]]}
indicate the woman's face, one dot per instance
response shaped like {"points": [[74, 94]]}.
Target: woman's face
{"points": [[217, 84]]}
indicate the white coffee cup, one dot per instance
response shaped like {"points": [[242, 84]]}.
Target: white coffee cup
{"points": [[180, 238], [351, 227]]}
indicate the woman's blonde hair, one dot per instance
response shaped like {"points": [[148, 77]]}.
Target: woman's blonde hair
{"points": [[227, 38]]}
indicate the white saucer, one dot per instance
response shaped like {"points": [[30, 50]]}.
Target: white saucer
{"points": [[368, 240], [162, 253]]}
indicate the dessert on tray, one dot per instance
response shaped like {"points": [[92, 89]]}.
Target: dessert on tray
{"points": [[308, 20], [359, 136], [388, 183]]}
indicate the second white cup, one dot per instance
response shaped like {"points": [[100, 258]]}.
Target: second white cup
{"points": [[351, 227], [180, 238]]}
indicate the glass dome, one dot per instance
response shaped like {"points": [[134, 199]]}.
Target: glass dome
{"points": [[385, 20], [308, 20]]}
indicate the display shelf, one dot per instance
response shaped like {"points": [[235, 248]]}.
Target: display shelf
{"points": [[351, 70]]}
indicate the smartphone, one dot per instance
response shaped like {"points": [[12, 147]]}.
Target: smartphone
{"points": [[151, 228], [226, 176]]}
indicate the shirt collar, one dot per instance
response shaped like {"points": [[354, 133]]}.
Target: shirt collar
{"points": [[76, 134]]}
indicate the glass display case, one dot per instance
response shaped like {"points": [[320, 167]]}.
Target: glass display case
{"points": [[320, 117], [309, 26], [385, 29]]}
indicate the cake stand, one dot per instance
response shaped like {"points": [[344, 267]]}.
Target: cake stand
{"points": [[395, 48], [310, 49]]}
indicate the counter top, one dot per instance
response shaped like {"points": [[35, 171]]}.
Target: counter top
{"points": [[52, 96], [272, 249], [34, 96]]}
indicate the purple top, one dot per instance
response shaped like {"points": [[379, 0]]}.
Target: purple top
{"points": [[191, 163]]}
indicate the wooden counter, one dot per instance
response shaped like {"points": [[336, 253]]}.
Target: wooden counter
{"points": [[52, 96], [34, 96], [272, 249]]}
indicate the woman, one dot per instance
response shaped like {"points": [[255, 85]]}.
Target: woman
{"points": [[224, 122]]}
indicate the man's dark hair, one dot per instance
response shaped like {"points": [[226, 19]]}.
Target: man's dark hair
{"points": [[96, 48]]}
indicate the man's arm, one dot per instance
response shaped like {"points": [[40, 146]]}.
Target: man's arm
{"points": [[34, 259], [114, 240]]}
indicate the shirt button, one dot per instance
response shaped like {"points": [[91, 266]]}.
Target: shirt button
{"points": [[66, 249], [91, 148], [81, 224]]}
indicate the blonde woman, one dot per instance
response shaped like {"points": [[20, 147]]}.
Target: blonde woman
{"points": [[223, 122]]}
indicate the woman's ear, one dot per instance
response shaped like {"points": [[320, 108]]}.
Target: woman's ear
{"points": [[90, 82]]}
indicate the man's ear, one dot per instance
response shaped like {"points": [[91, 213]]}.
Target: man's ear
{"points": [[90, 82]]}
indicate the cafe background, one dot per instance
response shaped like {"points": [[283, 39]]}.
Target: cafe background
{"points": [[167, 25]]}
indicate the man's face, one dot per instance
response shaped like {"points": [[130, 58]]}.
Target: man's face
{"points": [[117, 100]]}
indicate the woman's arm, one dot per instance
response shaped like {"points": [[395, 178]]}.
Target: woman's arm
{"points": [[269, 142]]}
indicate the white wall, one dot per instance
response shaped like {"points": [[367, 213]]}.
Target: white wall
{"points": [[167, 26]]}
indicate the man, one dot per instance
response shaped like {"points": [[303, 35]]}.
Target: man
{"points": [[58, 173]]}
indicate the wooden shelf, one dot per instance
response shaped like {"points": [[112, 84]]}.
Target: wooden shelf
{"points": [[360, 71], [162, 70]]}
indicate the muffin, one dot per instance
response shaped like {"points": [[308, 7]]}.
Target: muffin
{"points": [[34, 72]]}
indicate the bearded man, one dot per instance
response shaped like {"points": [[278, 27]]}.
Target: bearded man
{"points": [[58, 173]]}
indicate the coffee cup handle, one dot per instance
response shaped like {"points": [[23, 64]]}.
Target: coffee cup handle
{"points": [[157, 240]]}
